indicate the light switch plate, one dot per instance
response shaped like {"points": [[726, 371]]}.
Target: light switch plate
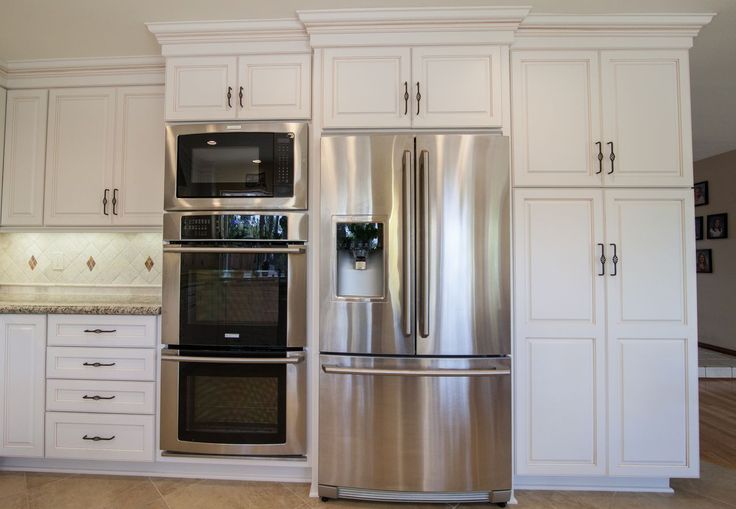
{"points": [[57, 260]]}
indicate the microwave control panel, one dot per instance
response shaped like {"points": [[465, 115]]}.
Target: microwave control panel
{"points": [[283, 162]]}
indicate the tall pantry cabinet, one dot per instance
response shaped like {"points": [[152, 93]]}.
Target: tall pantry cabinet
{"points": [[604, 281]]}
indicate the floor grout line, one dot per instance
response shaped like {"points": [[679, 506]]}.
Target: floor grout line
{"points": [[159, 493]]}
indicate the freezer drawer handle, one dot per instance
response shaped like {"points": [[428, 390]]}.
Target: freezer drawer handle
{"points": [[97, 439], [238, 360], [341, 370], [226, 250]]}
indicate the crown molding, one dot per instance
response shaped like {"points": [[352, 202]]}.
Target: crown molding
{"points": [[235, 37], [96, 71], [412, 26], [607, 31]]}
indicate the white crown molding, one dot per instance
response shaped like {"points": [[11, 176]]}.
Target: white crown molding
{"points": [[235, 37], [608, 31], [96, 71], [412, 26]]}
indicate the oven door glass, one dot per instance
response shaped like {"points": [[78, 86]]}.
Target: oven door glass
{"points": [[232, 403], [233, 299], [218, 165]]}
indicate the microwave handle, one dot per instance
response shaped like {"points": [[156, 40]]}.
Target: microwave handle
{"points": [[227, 250], [236, 360]]}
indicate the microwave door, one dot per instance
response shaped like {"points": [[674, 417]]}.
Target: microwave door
{"points": [[463, 245], [366, 276]]}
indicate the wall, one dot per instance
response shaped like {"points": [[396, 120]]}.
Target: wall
{"points": [[717, 291], [119, 259]]}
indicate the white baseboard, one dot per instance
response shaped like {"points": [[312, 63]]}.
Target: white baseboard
{"points": [[640, 484]]}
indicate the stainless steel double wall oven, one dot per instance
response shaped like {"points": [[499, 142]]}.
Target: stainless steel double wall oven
{"points": [[233, 375]]}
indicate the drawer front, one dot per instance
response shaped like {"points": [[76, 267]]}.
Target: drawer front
{"points": [[110, 437], [100, 396], [101, 363], [105, 331]]}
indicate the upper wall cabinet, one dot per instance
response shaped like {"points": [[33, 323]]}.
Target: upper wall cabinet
{"points": [[560, 137], [25, 150], [247, 87], [449, 86]]}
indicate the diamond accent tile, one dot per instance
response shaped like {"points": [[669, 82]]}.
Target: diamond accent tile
{"points": [[149, 264], [32, 262], [91, 263]]}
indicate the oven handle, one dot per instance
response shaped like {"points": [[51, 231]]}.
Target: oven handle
{"points": [[186, 249], [296, 359], [342, 370]]}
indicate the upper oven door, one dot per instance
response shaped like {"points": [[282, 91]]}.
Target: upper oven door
{"points": [[245, 297], [236, 166]]}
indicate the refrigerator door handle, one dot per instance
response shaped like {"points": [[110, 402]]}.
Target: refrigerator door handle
{"points": [[423, 245], [406, 290], [439, 372]]}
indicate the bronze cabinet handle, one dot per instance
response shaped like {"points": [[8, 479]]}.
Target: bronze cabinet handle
{"points": [[229, 97], [602, 260], [240, 96], [100, 331], [600, 158], [115, 202], [406, 98], [98, 364], [96, 438], [614, 259], [104, 202], [97, 397], [612, 157], [419, 98]]}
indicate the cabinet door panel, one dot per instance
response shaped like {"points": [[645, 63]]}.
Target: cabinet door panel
{"points": [[197, 87], [556, 118], [22, 379], [559, 356], [79, 156], [364, 87], [652, 334], [646, 112], [274, 86], [25, 151], [459, 86], [139, 156]]}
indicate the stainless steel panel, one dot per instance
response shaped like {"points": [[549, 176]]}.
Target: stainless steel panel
{"points": [[463, 297], [296, 411], [296, 225], [363, 179], [415, 433], [301, 143]]}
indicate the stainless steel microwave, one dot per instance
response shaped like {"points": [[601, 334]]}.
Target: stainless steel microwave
{"points": [[236, 166]]}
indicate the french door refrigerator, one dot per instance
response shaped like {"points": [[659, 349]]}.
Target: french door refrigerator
{"points": [[415, 385]]}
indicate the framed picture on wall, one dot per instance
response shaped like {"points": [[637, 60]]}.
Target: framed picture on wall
{"points": [[717, 226], [700, 189], [699, 228], [704, 259]]}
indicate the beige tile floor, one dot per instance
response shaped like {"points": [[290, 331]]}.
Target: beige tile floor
{"points": [[715, 490]]}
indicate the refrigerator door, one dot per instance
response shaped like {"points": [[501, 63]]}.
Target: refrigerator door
{"points": [[441, 427], [366, 235], [463, 245]]}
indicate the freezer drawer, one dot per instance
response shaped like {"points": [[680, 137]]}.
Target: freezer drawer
{"points": [[427, 425]]}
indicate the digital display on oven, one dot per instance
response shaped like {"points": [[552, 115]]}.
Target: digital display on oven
{"points": [[234, 227]]}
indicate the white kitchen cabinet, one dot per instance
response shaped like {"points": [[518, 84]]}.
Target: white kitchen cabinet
{"points": [[3, 100], [109, 331], [606, 352], [274, 86], [25, 152], [460, 86], [79, 157], [560, 332], [367, 87], [250, 87], [101, 363], [560, 137], [450, 86], [138, 180], [22, 380]]}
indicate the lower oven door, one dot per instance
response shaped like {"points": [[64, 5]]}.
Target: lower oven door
{"points": [[439, 426], [233, 406]]}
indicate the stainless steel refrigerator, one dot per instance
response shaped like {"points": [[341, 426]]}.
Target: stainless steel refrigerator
{"points": [[415, 385]]}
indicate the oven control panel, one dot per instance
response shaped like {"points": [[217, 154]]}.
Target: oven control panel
{"points": [[283, 164], [234, 227]]}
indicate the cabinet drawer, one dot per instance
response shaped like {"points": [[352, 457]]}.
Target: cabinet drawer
{"points": [[107, 331], [99, 436], [100, 363], [100, 396]]}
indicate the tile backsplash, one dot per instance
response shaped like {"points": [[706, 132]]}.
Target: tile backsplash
{"points": [[58, 259]]}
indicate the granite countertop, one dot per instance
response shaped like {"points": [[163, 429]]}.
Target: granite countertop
{"points": [[80, 304]]}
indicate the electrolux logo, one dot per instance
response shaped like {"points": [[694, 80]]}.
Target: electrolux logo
{"points": [[232, 335]]}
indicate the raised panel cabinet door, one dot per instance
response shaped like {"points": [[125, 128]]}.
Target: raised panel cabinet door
{"points": [[367, 87], [652, 333], [646, 118], [555, 111], [197, 88], [22, 380], [138, 187], [25, 151], [559, 353], [274, 86], [79, 157], [457, 86]]}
